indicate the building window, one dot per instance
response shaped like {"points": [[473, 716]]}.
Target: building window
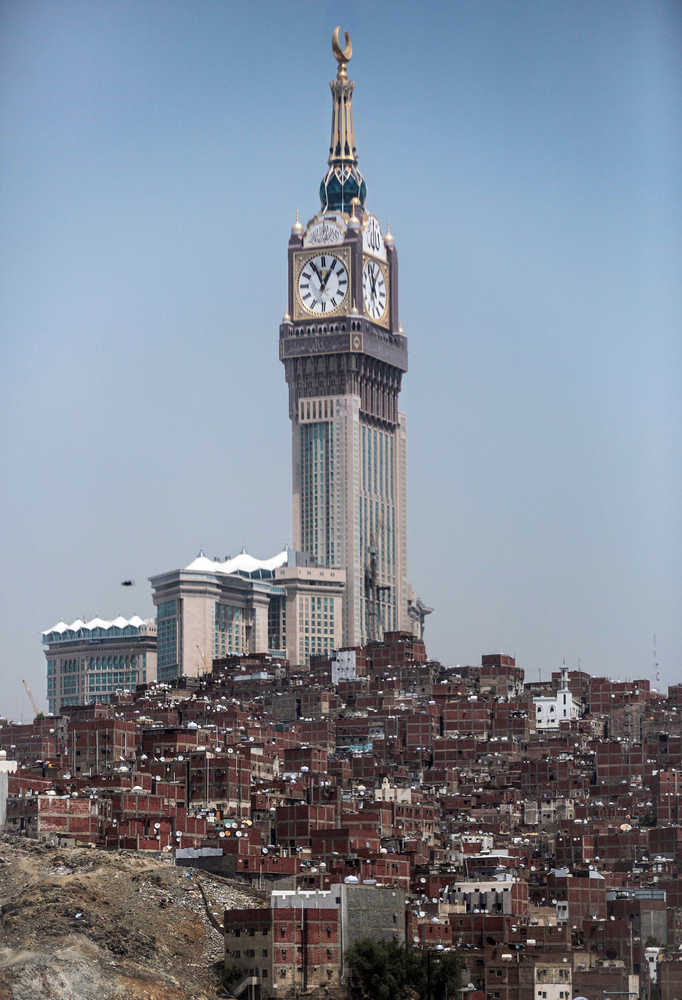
{"points": [[167, 634]]}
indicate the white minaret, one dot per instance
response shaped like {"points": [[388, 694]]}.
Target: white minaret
{"points": [[7, 767]]}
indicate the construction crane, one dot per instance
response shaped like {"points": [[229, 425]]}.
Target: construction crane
{"points": [[36, 710], [373, 589], [418, 611]]}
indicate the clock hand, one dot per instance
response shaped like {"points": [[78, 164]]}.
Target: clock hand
{"points": [[319, 276], [372, 282]]}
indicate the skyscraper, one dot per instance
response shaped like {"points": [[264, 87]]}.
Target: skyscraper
{"points": [[344, 356]]}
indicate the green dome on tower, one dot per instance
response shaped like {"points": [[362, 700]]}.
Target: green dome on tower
{"points": [[340, 185]]}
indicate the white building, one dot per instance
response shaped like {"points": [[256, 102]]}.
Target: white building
{"points": [[553, 980], [344, 666], [551, 710], [7, 767]]}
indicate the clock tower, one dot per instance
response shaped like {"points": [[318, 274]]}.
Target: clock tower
{"points": [[344, 356]]}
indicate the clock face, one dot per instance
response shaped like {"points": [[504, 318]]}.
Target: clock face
{"points": [[323, 283], [374, 289]]}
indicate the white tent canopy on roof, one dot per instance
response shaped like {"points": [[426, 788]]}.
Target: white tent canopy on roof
{"points": [[243, 563], [119, 622]]}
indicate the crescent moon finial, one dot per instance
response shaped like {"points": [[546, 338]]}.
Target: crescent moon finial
{"points": [[344, 55]]}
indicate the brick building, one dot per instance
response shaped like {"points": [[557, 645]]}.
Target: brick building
{"points": [[97, 744], [299, 942]]}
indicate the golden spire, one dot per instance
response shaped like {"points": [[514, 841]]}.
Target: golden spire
{"points": [[342, 56], [342, 145], [343, 182]]}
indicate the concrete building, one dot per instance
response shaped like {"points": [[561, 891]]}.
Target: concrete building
{"points": [[344, 354], [496, 896], [215, 608], [90, 661]]}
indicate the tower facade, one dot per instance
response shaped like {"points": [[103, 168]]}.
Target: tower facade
{"points": [[344, 356]]}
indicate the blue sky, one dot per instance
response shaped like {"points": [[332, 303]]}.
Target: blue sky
{"points": [[528, 156]]}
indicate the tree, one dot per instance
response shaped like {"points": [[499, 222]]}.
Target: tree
{"points": [[445, 969], [386, 970], [377, 970]]}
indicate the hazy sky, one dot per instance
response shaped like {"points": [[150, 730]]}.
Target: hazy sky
{"points": [[529, 158]]}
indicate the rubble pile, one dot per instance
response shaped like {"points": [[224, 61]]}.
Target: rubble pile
{"points": [[89, 924]]}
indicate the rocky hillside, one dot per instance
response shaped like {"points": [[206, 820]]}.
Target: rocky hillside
{"points": [[84, 924]]}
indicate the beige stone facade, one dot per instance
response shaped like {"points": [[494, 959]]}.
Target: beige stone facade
{"points": [[349, 492], [211, 609], [314, 610]]}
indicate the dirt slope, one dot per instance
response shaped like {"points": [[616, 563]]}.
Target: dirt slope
{"points": [[81, 924]]}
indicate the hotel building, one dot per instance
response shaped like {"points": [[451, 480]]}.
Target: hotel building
{"points": [[90, 661], [214, 608]]}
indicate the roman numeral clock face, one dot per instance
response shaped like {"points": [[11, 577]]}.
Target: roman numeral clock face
{"points": [[373, 290], [323, 283]]}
